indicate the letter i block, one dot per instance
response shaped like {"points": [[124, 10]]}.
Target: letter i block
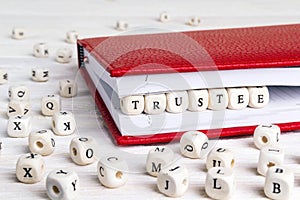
{"points": [[279, 183], [63, 123], [68, 88]]}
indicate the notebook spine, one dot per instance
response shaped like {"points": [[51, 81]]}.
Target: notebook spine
{"points": [[80, 52]]}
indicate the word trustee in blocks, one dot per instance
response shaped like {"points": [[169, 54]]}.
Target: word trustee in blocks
{"points": [[151, 88]]}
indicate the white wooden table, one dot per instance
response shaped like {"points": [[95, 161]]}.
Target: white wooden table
{"points": [[48, 21]]}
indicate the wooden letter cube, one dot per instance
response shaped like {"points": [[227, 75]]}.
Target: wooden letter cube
{"points": [[18, 108], [220, 183], [164, 17], [30, 168], [41, 142], [220, 157], [173, 181], [63, 123], [194, 144], [50, 104], [41, 50], [3, 76], [112, 171], [157, 159], [82, 150], [177, 102], [121, 25], [198, 100], [155, 103], [72, 37], [62, 184], [18, 33], [64, 55], [68, 88], [18, 92], [238, 98], [268, 157], [279, 183], [266, 136], [259, 96], [218, 99], [194, 21], [40, 75], [19, 126], [132, 105]]}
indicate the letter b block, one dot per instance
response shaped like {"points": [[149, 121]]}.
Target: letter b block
{"points": [[279, 183]]}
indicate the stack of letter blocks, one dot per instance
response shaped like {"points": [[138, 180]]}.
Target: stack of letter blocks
{"points": [[196, 100]]}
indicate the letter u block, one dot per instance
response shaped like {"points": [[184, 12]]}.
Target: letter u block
{"points": [[177, 102]]}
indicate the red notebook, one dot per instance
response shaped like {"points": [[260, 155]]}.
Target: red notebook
{"points": [[273, 48]]}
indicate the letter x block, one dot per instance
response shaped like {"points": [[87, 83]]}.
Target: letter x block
{"points": [[19, 126], [30, 168]]}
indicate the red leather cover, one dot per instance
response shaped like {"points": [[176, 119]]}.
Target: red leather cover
{"points": [[226, 49], [164, 137]]}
